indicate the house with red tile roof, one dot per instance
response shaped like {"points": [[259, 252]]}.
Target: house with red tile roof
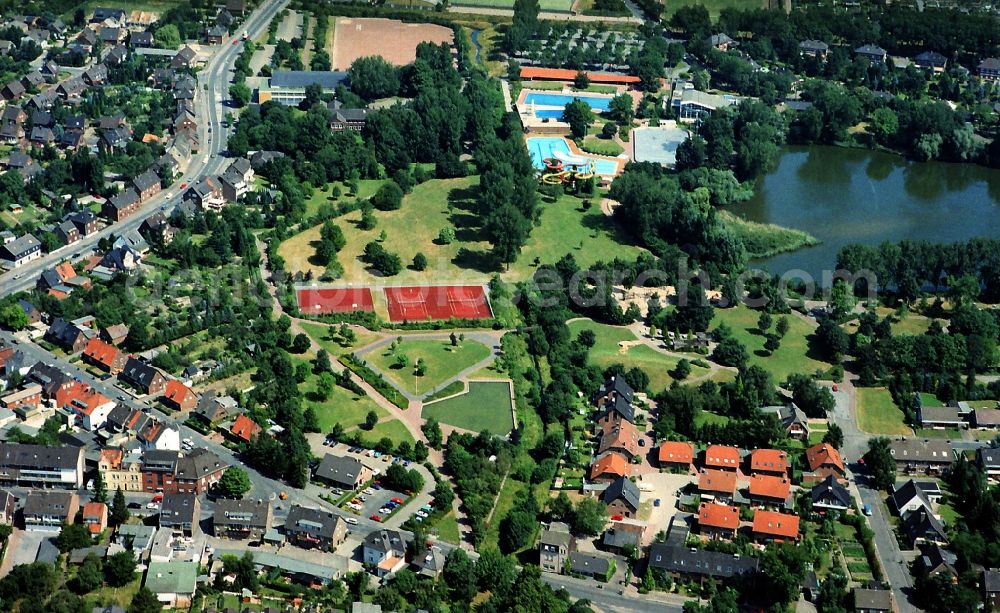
{"points": [[103, 356], [769, 490], [675, 454], [179, 397], [824, 460], [770, 526], [718, 483], [769, 461], [622, 437], [244, 429], [722, 457], [90, 406], [718, 520], [95, 517], [609, 467]]}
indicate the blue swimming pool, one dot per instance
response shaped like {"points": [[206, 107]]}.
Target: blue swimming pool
{"points": [[597, 103], [549, 113], [541, 147]]}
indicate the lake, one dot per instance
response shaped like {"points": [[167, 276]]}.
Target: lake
{"points": [[844, 196]]}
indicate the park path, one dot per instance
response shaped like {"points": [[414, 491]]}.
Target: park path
{"points": [[547, 15]]}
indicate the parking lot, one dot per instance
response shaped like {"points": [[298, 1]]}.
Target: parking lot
{"points": [[666, 488], [376, 500]]}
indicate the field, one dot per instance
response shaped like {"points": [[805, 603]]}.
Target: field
{"points": [[791, 357], [878, 414], [545, 5], [443, 362], [606, 352], [392, 429], [328, 338], [393, 40], [486, 406], [341, 406], [601, 146], [714, 6], [564, 227]]}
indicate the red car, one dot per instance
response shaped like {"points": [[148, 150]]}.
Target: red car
{"points": [[235, 42], [397, 500], [375, 517], [158, 498], [183, 185]]}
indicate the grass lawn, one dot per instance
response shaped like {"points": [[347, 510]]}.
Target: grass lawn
{"points": [[606, 352], [447, 529], [707, 417], [486, 406], [791, 357], [564, 227], [946, 433], [930, 400], [878, 414], [329, 339], [545, 5], [714, 6], [949, 515], [556, 86], [342, 406], [510, 493], [366, 189], [443, 362], [393, 429], [601, 146], [122, 596]]}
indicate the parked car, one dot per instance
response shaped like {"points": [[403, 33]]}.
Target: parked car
{"points": [[351, 520], [375, 517], [397, 500]]}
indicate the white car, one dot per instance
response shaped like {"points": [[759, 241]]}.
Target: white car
{"points": [[351, 520], [421, 515]]}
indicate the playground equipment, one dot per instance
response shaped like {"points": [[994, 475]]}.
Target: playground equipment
{"points": [[559, 172]]}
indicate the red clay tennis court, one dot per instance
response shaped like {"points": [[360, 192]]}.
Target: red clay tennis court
{"points": [[334, 300], [420, 303]]}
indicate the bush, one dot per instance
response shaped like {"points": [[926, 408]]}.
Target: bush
{"points": [[389, 197]]}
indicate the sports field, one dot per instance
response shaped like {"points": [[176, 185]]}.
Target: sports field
{"points": [[486, 406], [394, 40], [323, 301], [421, 303]]}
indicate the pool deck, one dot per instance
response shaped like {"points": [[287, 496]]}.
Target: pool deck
{"points": [[527, 114], [619, 161], [664, 147]]}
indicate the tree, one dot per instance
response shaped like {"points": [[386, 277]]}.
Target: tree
{"points": [[590, 517], [781, 328], [89, 576], [561, 507], [389, 196], [100, 489], [495, 572], [235, 482], [119, 569], [883, 124], [517, 530], [300, 344], [581, 80], [730, 352], [834, 436], [73, 536], [443, 495], [458, 575], [145, 601], [609, 130], [764, 322], [371, 420], [167, 36], [432, 431], [240, 94], [682, 370], [419, 261], [620, 109], [119, 509], [324, 385], [880, 463], [579, 116], [13, 317], [372, 78]]}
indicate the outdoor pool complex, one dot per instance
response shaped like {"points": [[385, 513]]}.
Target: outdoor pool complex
{"points": [[550, 106], [541, 147]]}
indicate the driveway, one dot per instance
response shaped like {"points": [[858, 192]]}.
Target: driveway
{"points": [[25, 549]]}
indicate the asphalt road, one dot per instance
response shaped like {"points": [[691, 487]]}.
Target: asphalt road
{"points": [[213, 88]]}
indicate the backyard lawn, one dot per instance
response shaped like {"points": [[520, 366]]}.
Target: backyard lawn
{"points": [[606, 352], [878, 414], [791, 357], [486, 406], [442, 362]]}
